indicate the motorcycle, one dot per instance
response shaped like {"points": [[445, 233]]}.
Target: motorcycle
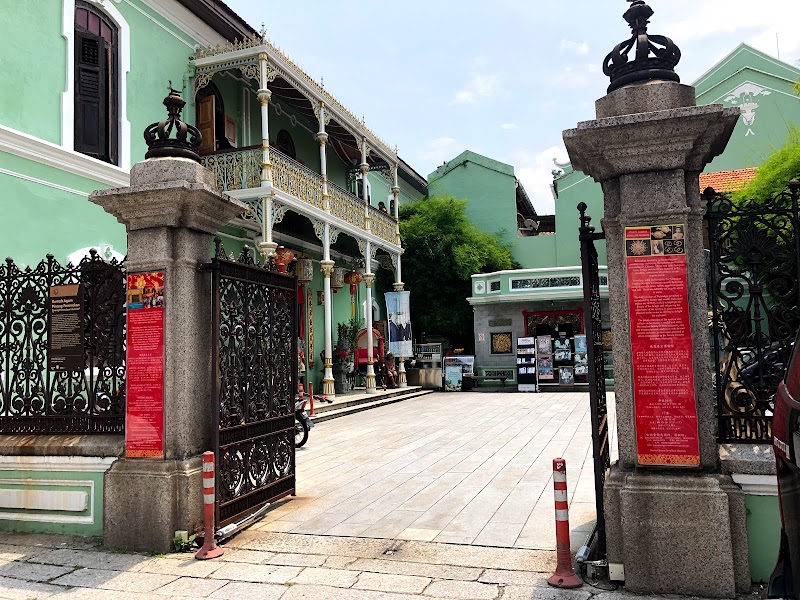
{"points": [[303, 422]]}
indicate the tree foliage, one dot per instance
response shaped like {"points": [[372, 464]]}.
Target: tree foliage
{"points": [[776, 172], [443, 249]]}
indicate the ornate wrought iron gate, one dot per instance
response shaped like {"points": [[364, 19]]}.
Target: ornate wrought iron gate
{"points": [[597, 381], [754, 296], [254, 354]]}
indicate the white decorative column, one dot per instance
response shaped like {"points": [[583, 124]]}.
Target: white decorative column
{"points": [[402, 381], [369, 277], [328, 387], [364, 191], [267, 246]]}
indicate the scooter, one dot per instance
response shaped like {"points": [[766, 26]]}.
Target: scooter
{"points": [[303, 422]]}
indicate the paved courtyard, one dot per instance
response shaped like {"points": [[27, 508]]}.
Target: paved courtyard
{"points": [[469, 468]]}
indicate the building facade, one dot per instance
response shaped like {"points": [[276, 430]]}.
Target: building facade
{"points": [[87, 77]]}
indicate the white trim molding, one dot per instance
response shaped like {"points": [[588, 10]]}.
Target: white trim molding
{"points": [[68, 95], [39, 502], [44, 152], [757, 485], [62, 464]]}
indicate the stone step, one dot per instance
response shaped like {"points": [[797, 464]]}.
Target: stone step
{"points": [[353, 406], [361, 397]]}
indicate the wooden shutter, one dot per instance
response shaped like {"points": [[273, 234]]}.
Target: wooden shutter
{"points": [[205, 123], [91, 96]]}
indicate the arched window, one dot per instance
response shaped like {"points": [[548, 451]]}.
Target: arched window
{"points": [[286, 144], [96, 94], [210, 115]]}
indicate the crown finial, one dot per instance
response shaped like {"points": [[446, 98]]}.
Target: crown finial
{"points": [[186, 142], [655, 58]]}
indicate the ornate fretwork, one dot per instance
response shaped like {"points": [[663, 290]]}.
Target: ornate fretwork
{"points": [[201, 80], [388, 262], [278, 211], [254, 211], [255, 379], [251, 71], [382, 225], [238, 170], [295, 179], [319, 107], [362, 248], [319, 229], [37, 396], [335, 234], [346, 206], [754, 296], [296, 77]]}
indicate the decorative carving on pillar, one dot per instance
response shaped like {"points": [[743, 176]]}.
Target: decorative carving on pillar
{"points": [[318, 108], [369, 278], [185, 144], [656, 55], [326, 266], [264, 96]]}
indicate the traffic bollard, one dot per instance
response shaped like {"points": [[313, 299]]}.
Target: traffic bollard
{"points": [[565, 576], [210, 548]]}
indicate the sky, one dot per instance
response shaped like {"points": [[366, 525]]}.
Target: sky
{"points": [[501, 78]]}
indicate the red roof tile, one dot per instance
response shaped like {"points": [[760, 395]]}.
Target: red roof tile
{"points": [[727, 181]]}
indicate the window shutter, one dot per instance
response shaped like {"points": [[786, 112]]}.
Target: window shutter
{"points": [[91, 96], [205, 123]]}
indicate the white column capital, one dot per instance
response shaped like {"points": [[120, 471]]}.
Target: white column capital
{"points": [[321, 137], [399, 286], [264, 96], [369, 278]]}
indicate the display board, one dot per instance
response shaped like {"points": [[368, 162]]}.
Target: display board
{"points": [[661, 347], [526, 365], [455, 367], [144, 410]]}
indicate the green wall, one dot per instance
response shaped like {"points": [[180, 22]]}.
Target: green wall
{"points": [[763, 535]]}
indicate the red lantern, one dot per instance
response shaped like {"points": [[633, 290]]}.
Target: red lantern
{"points": [[283, 256], [353, 278]]}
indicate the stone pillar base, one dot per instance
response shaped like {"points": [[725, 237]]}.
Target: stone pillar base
{"points": [[146, 501], [678, 533], [329, 388], [402, 379], [370, 381]]}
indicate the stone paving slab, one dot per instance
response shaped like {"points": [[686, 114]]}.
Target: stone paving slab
{"points": [[365, 569]]}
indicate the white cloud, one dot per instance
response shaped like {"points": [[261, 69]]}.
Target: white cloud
{"points": [[576, 76], [438, 150], [480, 85], [579, 48], [688, 21], [508, 126], [535, 171]]}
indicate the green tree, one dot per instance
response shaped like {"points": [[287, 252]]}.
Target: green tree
{"points": [[443, 250], [776, 172]]}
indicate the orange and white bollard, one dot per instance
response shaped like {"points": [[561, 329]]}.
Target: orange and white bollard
{"points": [[311, 398], [210, 548], [565, 576]]}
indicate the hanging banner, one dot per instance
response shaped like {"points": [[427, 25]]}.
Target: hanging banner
{"points": [[661, 347], [144, 411], [398, 307], [310, 312]]}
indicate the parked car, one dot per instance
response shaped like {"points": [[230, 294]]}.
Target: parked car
{"points": [[785, 579]]}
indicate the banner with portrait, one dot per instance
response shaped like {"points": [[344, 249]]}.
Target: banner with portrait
{"points": [[398, 308]]}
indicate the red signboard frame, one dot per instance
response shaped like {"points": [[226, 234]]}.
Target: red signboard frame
{"points": [[662, 351], [144, 410]]}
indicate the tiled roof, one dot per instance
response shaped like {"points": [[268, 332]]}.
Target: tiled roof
{"points": [[727, 181]]}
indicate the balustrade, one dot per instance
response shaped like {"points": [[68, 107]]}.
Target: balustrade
{"points": [[240, 169]]}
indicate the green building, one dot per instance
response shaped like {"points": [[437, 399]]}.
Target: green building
{"points": [[82, 80], [546, 295]]}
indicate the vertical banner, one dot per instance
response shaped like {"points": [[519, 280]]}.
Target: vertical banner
{"points": [[661, 347], [310, 311], [144, 411], [398, 307]]}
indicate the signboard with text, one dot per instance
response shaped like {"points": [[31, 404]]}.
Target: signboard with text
{"points": [[144, 413], [65, 339], [661, 347]]}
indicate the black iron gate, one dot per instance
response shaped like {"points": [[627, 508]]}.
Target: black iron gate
{"points": [[254, 353], [597, 381], [754, 297]]}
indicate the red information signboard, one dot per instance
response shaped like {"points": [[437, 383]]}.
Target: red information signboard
{"points": [[144, 413], [661, 346]]}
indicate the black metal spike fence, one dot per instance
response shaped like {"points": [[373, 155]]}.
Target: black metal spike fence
{"points": [[39, 392]]}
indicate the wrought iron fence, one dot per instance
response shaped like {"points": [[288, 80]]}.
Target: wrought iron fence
{"points": [[754, 297], [40, 395]]}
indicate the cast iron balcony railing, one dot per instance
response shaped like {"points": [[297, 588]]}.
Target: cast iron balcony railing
{"points": [[240, 169]]}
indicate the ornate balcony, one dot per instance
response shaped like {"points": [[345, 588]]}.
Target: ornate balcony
{"points": [[240, 169]]}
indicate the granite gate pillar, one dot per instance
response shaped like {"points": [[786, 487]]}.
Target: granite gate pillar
{"points": [[171, 212], [674, 522]]}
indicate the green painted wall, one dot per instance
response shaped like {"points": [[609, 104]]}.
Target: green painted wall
{"points": [[489, 186], [63, 221], [34, 79], [763, 535]]}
